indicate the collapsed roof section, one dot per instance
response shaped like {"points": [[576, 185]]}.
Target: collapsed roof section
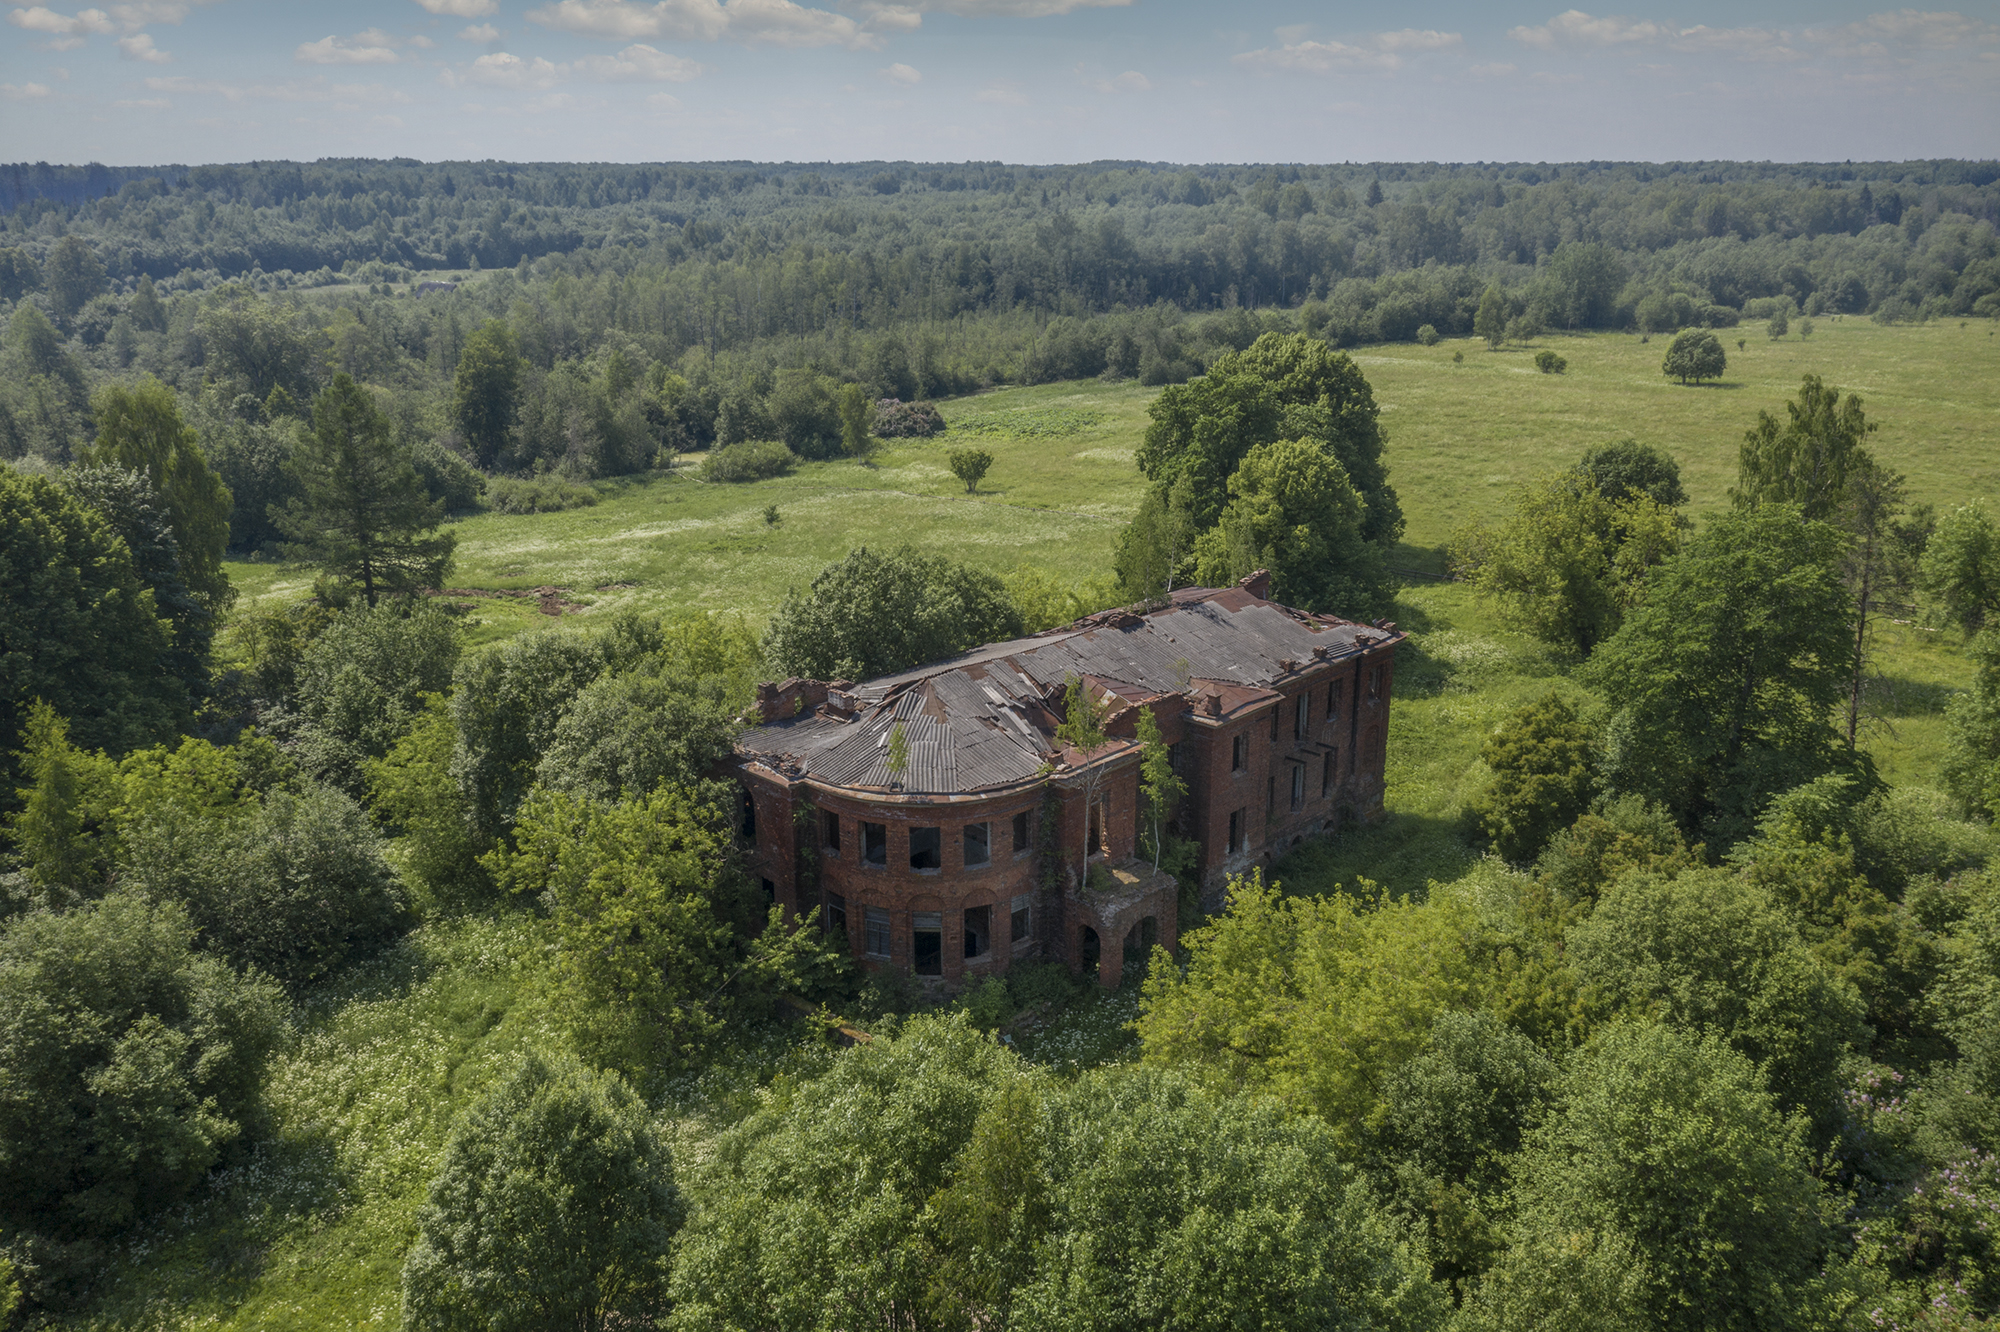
{"points": [[986, 720]]}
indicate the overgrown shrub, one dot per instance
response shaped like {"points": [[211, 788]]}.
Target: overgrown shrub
{"points": [[447, 475], [751, 460], [895, 419], [1549, 363], [547, 493]]}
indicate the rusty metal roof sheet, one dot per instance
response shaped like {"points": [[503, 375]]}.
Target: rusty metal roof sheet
{"points": [[984, 719]]}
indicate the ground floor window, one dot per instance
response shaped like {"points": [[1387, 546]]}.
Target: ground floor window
{"points": [[836, 912], [1329, 773], [877, 942], [1024, 917], [927, 942], [770, 891], [978, 931], [1236, 831]]}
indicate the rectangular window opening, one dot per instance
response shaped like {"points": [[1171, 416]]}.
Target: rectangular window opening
{"points": [[746, 823], [1020, 832], [1270, 796], [875, 843], [1302, 719], [978, 844], [1374, 682], [1239, 753], [1329, 773], [1024, 917], [1298, 786], [1177, 757], [830, 832], [927, 942], [1097, 830], [1333, 700], [1236, 831], [877, 942], [926, 848], [770, 891], [978, 931], [1274, 725], [836, 912]]}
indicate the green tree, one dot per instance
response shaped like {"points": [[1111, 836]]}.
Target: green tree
{"points": [[1695, 354], [1082, 730], [969, 465], [1727, 670], [412, 790], [362, 514], [813, 1213], [1972, 731], [1779, 325], [1490, 322], [1544, 762], [1294, 512], [856, 413], [486, 389], [1171, 1206], [627, 734], [77, 626], [1628, 466], [1283, 387], [72, 275], [555, 1206], [19, 275], [1806, 460], [1579, 284], [140, 430], [148, 311], [293, 884], [1454, 1118], [261, 344], [1664, 1192], [872, 614], [658, 937], [362, 681], [67, 801], [1569, 562], [505, 704], [37, 348], [1313, 1000], [131, 1062], [1711, 951], [127, 500], [1159, 784], [1156, 549], [1961, 568]]}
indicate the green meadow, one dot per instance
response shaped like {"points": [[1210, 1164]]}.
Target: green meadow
{"points": [[1465, 426]]}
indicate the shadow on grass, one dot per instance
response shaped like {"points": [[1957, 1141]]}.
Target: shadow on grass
{"points": [[1403, 853], [1894, 696]]}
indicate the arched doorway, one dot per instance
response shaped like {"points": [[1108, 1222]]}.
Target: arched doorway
{"points": [[1092, 949]]}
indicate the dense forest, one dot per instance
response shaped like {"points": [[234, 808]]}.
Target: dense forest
{"points": [[1706, 1038]]}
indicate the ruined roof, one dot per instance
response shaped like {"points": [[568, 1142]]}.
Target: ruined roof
{"points": [[987, 719]]}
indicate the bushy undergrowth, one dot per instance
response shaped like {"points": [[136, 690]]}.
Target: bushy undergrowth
{"points": [[752, 460], [547, 493]]}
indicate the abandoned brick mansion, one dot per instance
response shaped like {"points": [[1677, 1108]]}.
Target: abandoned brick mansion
{"points": [[943, 866]]}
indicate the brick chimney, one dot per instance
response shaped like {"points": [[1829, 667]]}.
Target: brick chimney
{"points": [[1257, 584]]}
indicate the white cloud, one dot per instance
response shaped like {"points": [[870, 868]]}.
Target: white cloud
{"points": [[503, 69], [140, 47], [635, 64], [1922, 29], [765, 22], [23, 92], [42, 19], [1130, 81], [466, 9], [370, 47], [663, 101], [1418, 39], [900, 73], [144, 104], [1385, 50], [146, 12], [317, 88], [1573, 27], [483, 33], [1001, 94], [1494, 71], [1011, 8]]}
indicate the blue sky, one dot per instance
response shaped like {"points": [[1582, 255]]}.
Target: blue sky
{"points": [[1015, 80]]}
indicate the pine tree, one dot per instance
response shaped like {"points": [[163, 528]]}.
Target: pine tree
{"points": [[363, 514]]}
